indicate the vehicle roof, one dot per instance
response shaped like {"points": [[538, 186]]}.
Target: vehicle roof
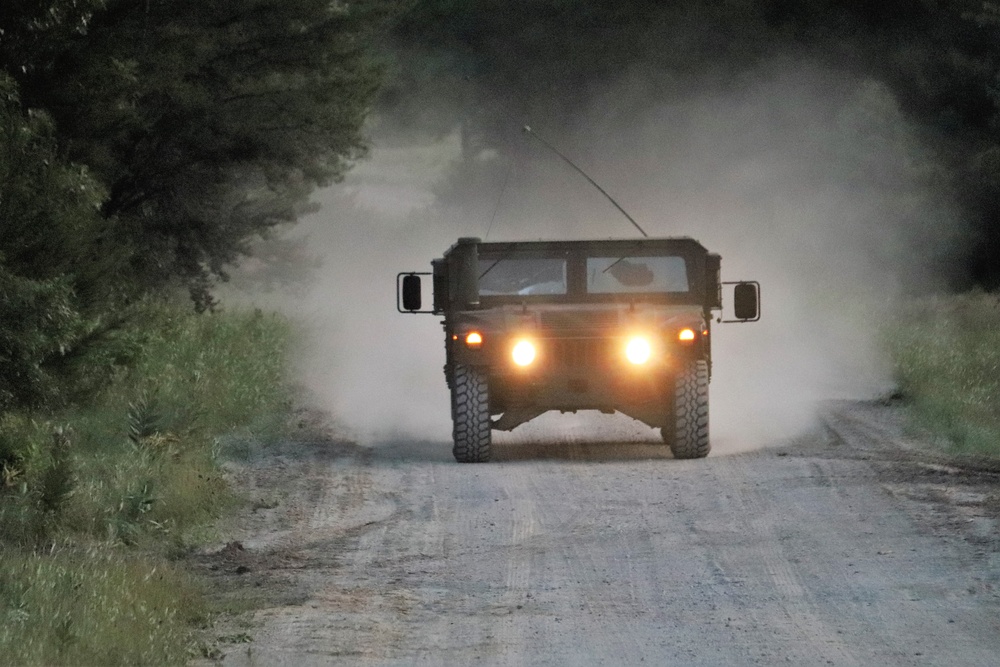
{"points": [[681, 244]]}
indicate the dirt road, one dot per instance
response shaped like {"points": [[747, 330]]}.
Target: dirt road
{"points": [[846, 547]]}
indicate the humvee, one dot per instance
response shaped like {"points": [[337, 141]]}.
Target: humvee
{"points": [[611, 325]]}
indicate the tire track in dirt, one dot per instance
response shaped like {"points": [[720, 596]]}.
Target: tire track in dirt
{"points": [[772, 569], [567, 551]]}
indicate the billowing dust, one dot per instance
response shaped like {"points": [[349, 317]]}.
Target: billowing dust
{"points": [[801, 178]]}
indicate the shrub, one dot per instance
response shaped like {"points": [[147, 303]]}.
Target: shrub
{"points": [[99, 497], [946, 353], [61, 282]]}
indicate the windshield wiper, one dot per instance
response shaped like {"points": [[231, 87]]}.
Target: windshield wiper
{"points": [[489, 269], [614, 264], [506, 255], [620, 259]]}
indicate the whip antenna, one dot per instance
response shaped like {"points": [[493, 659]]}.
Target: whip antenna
{"points": [[555, 150]]}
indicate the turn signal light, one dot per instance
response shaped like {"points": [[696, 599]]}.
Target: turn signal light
{"points": [[686, 335], [474, 339]]}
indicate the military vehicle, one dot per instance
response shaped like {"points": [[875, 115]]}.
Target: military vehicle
{"points": [[611, 325]]}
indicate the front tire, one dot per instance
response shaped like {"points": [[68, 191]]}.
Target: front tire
{"points": [[690, 432], [470, 413]]}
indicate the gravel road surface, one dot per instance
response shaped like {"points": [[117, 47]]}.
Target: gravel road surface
{"points": [[848, 546]]}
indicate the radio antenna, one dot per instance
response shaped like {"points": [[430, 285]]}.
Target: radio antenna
{"points": [[529, 131]]}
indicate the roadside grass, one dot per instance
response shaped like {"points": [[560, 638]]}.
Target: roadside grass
{"points": [[97, 500], [946, 355], [95, 606]]}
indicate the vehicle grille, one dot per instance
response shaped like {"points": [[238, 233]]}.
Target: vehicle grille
{"points": [[576, 352], [580, 320]]}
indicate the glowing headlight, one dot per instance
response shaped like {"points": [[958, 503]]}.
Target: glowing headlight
{"points": [[524, 353], [638, 350], [474, 339], [686, 335]]}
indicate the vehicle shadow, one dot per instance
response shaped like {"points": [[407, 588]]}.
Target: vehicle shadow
{"points": [[395, 451], [400, 450], [590, 451]]}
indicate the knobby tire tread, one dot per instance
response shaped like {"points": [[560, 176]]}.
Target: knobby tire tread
{"points": [[471, 415], [690, 439]]}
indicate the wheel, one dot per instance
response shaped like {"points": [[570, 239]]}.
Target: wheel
{"points": [[470, 415], [690, 432]]}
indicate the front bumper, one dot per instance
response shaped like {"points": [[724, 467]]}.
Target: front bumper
{"points": [[580, 373]]}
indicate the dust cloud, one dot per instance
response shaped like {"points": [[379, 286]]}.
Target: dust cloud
{"points": [[804, 178]]}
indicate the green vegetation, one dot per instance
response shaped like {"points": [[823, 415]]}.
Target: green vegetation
{"points": [[946, 353], [97, 500], [143, 147], [206, 122], [61, 290], [95, 607]]}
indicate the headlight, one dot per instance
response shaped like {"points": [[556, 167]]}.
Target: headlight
{"points": [[638, 350], [523, 353], [686, 335], [474, 339]]}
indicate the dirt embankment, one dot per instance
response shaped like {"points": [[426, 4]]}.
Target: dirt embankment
{"points": [[849, 546]]}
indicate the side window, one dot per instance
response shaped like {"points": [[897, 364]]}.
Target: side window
{"points": [[624, 275]]}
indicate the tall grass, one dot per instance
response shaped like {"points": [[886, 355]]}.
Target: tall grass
{"points": [[946, 353], [95, 606], [96, 500]]}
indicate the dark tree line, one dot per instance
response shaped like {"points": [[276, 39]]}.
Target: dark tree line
{"points": [[207, 121], [144, 144], [940, 58]]}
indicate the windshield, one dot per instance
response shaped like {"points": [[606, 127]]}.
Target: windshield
{"points": [[522, 276], [622, 275], [506, 274]]}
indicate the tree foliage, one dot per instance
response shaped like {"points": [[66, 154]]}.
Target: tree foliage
{"points": [[59, 263], [545, 59], [208, 122], [145, 145]]}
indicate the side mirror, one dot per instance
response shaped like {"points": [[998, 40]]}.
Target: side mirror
{"points": [[409, 298], [411, 293], [746, 301]]}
